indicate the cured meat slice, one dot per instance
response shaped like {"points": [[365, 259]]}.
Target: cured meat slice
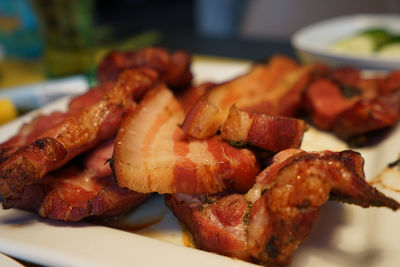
{"points": [[365, 116], [280, 211], [274, 89], [190, 97], [90, 97], [153, 154], [342, 101], [390, 83], [30, 131], [325, 102], [217, 224], [74, 135], [77, 193], [269, 132], [78, 190], [173, 68]]}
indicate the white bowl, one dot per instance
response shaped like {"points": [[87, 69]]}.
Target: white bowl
{"points": [[314, 42]]}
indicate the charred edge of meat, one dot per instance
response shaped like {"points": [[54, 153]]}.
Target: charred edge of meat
{"points": [[271, 248], [384, 202], [238, 144], [349, 91], [21, 171]]}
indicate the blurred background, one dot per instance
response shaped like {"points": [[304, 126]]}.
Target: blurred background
{"points": [[43, 39]]}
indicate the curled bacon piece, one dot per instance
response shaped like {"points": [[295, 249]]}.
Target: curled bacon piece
{"points": [[190, 96], [173, 68], [275, 88], [342, 101], [74, 135], [390, 83], [90, 97], [325, 102], [365, 116], [269, 222], [152, 154], [269, 132], [29, 132], [76, 191]]}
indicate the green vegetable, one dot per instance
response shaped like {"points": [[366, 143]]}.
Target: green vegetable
{"points": [[375, 40]]}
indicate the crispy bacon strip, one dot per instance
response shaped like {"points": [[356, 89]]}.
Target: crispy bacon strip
{"points": [[190, 96], [342, 101], [30, 198], [390, 83], [269, 132], [280, 211], [365, 116], [90, 97], [30, 131], [325, 102], [274, 89], [173, 68], [152, 154], [77, 134], [77, 191]]}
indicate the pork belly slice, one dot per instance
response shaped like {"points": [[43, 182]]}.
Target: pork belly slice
{"points": [[30, 198], [324, 102], [189, 97], [74, 135], [77, 193], [90, 97], [275, 89], [174, 68], [217, 225], [273, 133], [30, 131], [73, 193], [364, 117], [389, 83], [153, 154], [342, 101], [269, 222], [77, 190]]}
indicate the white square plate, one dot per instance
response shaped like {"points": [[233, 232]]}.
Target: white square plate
{"points": [[345, 236]]}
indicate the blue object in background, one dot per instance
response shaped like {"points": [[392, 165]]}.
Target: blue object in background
{"points": [[218, 17], [19, 34]]}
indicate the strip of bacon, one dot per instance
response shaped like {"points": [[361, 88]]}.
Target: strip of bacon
{"points": [[152, 154], [280, 211], [76, 134], [190, 96], [274, 89], [325, 102], [173, 68], [90, 97], [390, 83], [364, 117], [77, 191], [269, 132], [30, 131], [30, 198]]}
